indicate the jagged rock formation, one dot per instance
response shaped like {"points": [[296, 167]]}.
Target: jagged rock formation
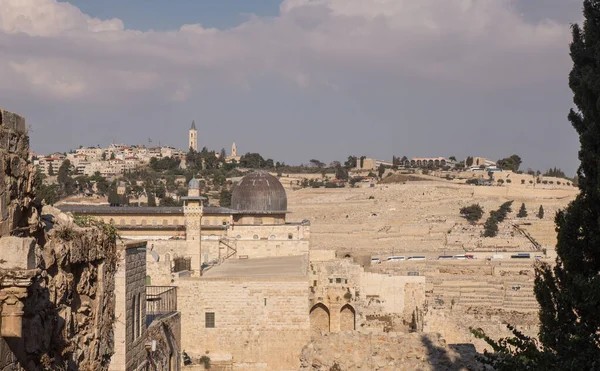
{"points": [[350, 350], [56, 278]]}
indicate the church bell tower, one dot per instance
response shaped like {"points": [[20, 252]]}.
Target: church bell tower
{"points": [[193, 136]]}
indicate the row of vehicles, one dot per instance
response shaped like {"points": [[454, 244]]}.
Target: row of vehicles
{"points": [[450, 257], [412, 258]]}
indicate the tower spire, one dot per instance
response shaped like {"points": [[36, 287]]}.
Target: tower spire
{"points": [[193, 125]]}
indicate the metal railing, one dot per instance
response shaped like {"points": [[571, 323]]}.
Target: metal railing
{"points": [[160, 301]]}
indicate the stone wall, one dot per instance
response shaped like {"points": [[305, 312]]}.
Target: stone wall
{"points": [[379, 301], [261, 323], [130, 312], [17, 214], [57, 286], [166, 332], [398, 352]]}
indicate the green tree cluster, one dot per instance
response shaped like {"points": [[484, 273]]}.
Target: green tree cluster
{"points": [[490, 227], [472, 213], [555, 172], [510, 163]]}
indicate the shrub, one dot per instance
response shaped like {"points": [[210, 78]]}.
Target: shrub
{"points": [[371, 197], [544, 182], [472, 181], [500, 181], [472, 213], [205, 361], [508, 181], [531, 182], [348, 295], [541, 212]]}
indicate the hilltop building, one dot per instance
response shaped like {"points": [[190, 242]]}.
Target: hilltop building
{"points": [[234, 155], [193, 137]]}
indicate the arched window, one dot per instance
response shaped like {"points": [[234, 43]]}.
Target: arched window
{"points": [[255, 237], [154, 222], [122, 222], [272, 237], [290, 236], [132, 221], [176, 222], [139, 317], [165, 222], [143, 221], [133, 318]]}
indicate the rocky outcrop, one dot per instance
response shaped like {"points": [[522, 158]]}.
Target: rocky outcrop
{"points": [[56, 276], [351, 350]]}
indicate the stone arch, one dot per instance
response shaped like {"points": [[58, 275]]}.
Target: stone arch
{"points": [[272, 237], [165, 222], [132, 221], [143, 221], [347, 318], [319, 317], [122, 222], [255, 237]]}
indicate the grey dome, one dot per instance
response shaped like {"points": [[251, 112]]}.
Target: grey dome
{"points": [[194, 184], [259, 192]]}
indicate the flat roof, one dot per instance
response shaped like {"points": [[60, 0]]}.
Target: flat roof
{"points": [[148, 210], [261, 267]]}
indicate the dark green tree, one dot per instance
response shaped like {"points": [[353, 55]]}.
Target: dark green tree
{"points": [[350, 163], [567, 292], [225, 198], [341, 172], [50, 170], [472, 213], [65, 181], [469, 161], [540, 213], [522, 212], [252, 161], [510, 163], [381, 170]]}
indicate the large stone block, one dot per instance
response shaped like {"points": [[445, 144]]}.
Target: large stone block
{"points": [[18, 252]]}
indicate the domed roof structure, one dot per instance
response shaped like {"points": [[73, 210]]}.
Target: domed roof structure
{"points": [[194, 184], [259, 192]]}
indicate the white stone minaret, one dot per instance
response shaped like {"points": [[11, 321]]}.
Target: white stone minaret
{"points": [[233, 150], [193, 137]]}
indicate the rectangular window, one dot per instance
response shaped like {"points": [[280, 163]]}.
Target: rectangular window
{"points": [[338, 280], [346, 281], [331, 280], [209, 319], [315, 283]]}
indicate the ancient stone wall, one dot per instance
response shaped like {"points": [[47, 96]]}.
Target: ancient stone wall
{"points": [[261, 322], [16, 187], [166, 332], [399, 352], [57, 288]]}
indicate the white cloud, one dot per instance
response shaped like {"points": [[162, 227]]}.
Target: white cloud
{"points": [[54, 50]]}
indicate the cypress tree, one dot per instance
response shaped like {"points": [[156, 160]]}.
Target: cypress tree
{"points": [[522, 212], [568, 293], [540, 213]]}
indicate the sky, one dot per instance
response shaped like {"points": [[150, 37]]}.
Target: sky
{"points": [[296, 79]]}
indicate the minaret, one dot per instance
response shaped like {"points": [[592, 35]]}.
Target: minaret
{"points": [[193, 137], [233, 150]]}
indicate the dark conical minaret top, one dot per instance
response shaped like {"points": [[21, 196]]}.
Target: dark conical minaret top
{"points": [[193, 125]]}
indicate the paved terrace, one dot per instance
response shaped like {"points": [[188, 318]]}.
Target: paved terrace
{"points": [[276, 266]]}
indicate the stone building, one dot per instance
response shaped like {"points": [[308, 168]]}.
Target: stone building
{"points": [[255, 226], [234, 155], [144, 315]]}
